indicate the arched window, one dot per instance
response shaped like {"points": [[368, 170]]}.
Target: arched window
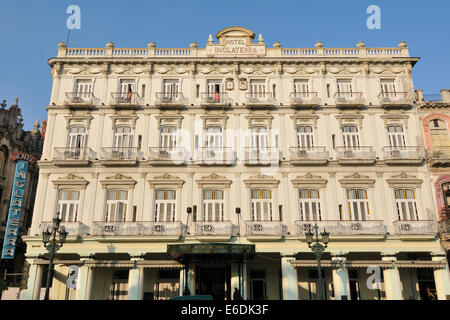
{"points": [[165, 201], [439, 135], [261, 205], [309, 205], [68, 203], [305, 137], [350, 135], [406, 204], [168, 137], [358, 204], [445, 188], [213, 205], [116, 206]]}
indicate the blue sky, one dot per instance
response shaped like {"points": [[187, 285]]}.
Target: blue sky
{"points": [[31, 30]]}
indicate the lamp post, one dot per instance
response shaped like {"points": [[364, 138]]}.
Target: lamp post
{"points": [[52, 245], [318, 248]]}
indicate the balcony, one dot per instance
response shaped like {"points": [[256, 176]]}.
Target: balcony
{"points": [[348, 99], [263, 230], [74, 228], [125, 100], [304, 99], [119, 156], [217, 100], [259, 99], [79, 100], [262, 156], [416, 227], [344, 227], [215, 156], [171, 100], [167, 230], [403, 155], [213, 230], [394, 99], [167, 156], [73, 156], [308, 155], [355, 155], [439, 156]]}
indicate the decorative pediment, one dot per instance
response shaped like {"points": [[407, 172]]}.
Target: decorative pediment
{"points": [[259, 119], [213, 180], [118, 180], [72, 181], [404, 180], [124, 119], [166, 180], [346, 118], [309, 180], [357, 180], [261, 180], [214, 119], [81, 118], [302, 119], [169, 119], [392, 118]]}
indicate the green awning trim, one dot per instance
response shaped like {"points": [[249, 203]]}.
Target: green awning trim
{"points": [[210, 251]]}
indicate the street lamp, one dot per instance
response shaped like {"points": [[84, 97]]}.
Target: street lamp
{"points": [[52, 245], [318, 248]]}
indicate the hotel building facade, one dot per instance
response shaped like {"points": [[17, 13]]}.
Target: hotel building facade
{"points": [[199, 170]]}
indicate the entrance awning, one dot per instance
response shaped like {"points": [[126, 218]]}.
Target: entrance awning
{"points": [[211, 251]]}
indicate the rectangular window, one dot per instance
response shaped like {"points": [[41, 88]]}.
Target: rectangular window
{"points": [[123, 137], [143, 91], [259, 138], [197, 91], [358, 204], [213, 137], [170, 89], [261, 205], [274, 90], [126, 89], [83, 89], [139, 142], [116, 206], [350, 136], [309, 205], [213, 205], [396, 136], [68, 203], [301, 88], [165, 201], [305, 137], [344, 87], [213, 87], [406, 204], [388, 89], [76, 138], [257, 88], [168, 137]]}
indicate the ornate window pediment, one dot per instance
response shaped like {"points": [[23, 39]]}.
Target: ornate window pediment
{"points": [[214, 120], [118, 180], [404, 180], [309, 119], [356, 180], [261, 180], [259, 120], [309, 180], [70, 181], [166, 180], [350, 118], [169, 120], [213, 180], [122, 119], [395, 118], [79, 118]]}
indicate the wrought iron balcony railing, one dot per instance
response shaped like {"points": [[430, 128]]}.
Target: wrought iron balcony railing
{"points": [[74, 228], [169, 99], [259, 99], [74, 153], [304, 99], [403, 153], [211, 156], [125, 99], [79, 99], [262, 155], [343, 227], [394, 99], [213, 228], [167, 155], [214, 99], [348, 99], [152, 228], [416, 227], [308, 154], [122, 153], [264, 228], [355, 153]]}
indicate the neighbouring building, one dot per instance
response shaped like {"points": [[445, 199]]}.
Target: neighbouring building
{"points": [[14, 139], [200, 170], [434, 111]]}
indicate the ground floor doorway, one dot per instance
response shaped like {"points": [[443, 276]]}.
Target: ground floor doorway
{"points": [[214, 281]]}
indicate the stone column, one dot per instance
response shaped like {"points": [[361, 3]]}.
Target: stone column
{"points": [[392, 283], [84, 281], [289, 278], [244, 281], [136, 282], [191, 278], [340, 278], [33, 290], [235, 278], [182, 275], [441, 278]]}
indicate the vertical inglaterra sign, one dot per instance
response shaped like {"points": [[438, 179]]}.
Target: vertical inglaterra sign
{"points": [[23, 160]]}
